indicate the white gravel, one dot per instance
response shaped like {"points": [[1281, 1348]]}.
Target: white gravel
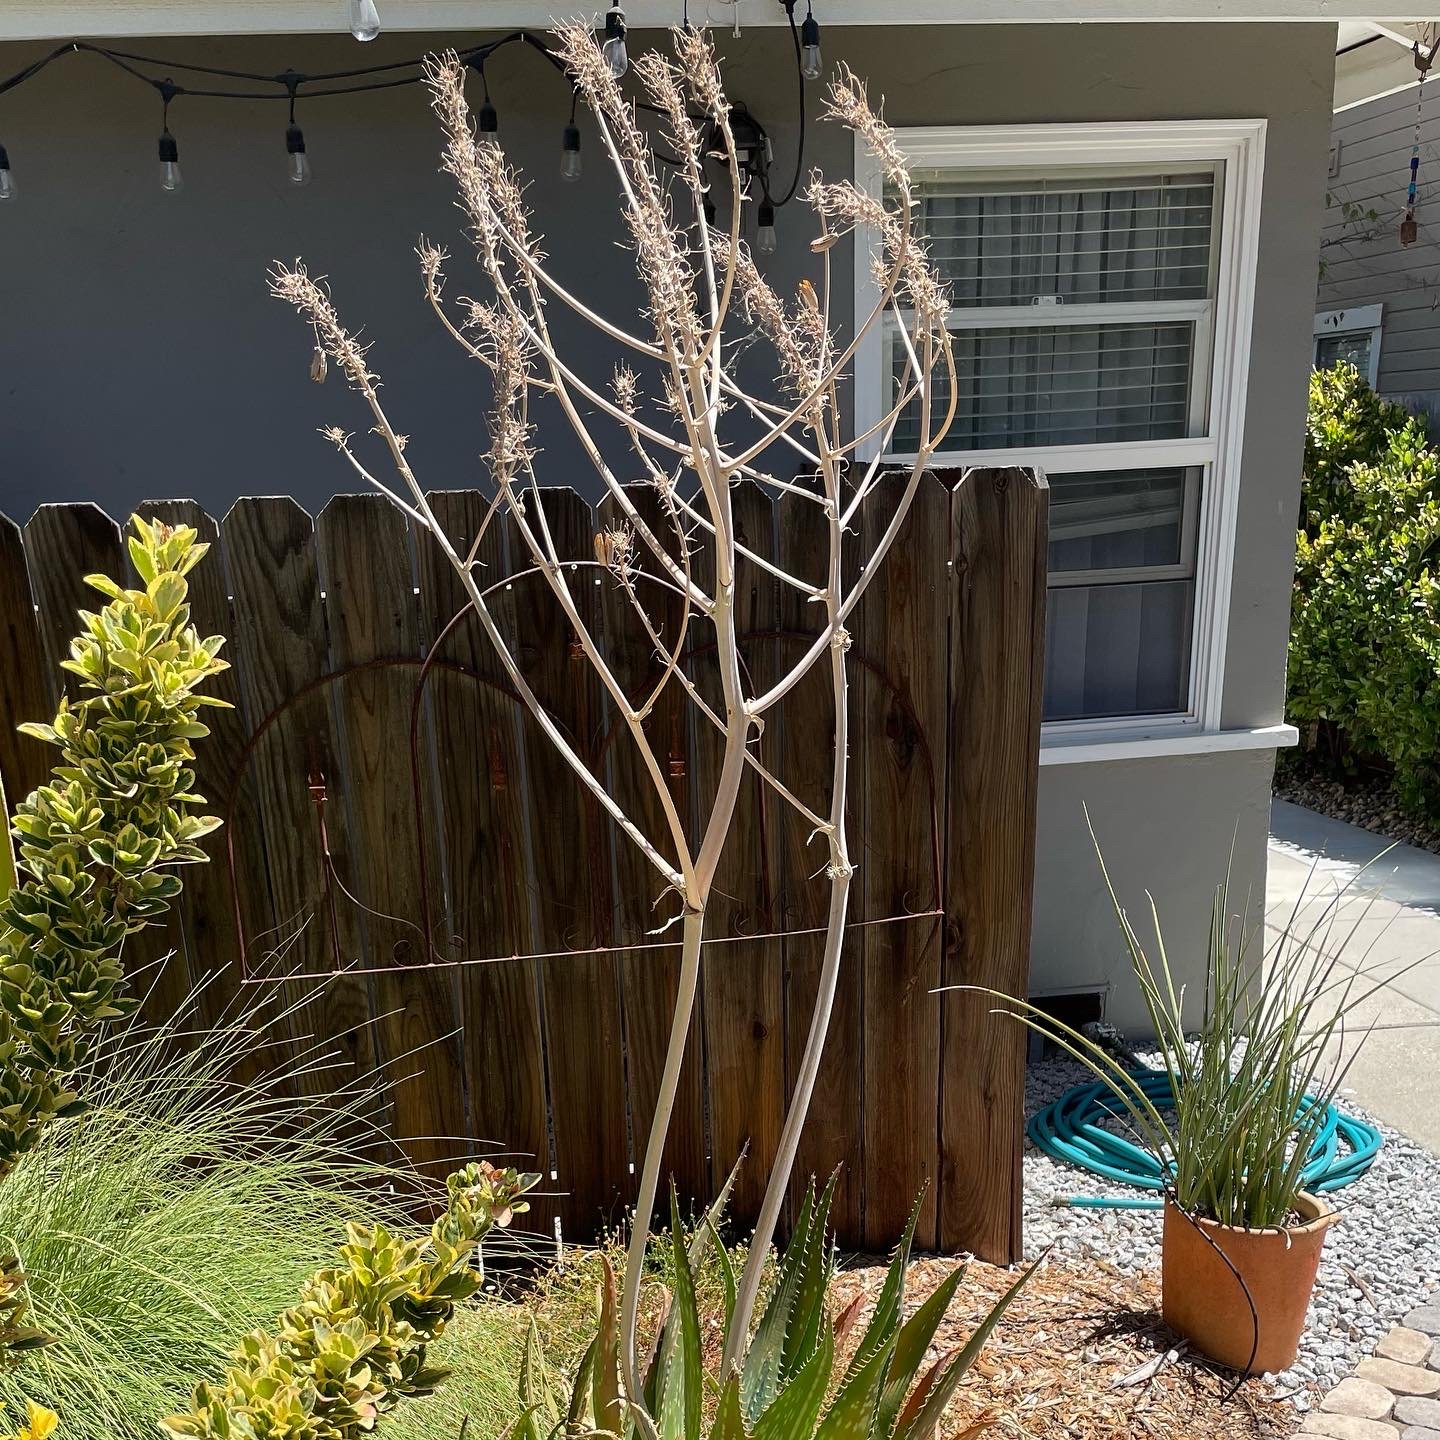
{"points": [[1389, 1236]]}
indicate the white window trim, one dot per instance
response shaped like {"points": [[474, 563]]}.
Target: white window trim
{"points": [[1240, 145], [1353, 320]]}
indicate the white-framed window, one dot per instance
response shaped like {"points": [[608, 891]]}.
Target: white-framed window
{"points": [[1351, 334], [1102, 279]]}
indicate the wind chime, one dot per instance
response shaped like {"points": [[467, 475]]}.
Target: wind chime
{"points": [[1424, 56]]}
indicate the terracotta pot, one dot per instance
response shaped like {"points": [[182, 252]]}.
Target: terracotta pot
{"points": [[1204, 1302]]}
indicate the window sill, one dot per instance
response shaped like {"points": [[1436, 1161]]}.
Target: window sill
{"points": [[1054, 751]]}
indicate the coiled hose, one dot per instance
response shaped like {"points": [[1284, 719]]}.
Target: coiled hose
{"points": [[1070, 1129]]}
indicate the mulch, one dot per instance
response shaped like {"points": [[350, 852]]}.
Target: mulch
{"points": [[1081, 1354]]}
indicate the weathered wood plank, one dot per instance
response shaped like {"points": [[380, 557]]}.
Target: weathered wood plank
{"points": [[569, 872], [207, 908], [903, 632], [651, 977], [997, 647], [279, 652], [365, 558], [65, 543], [479, 800], [743, 981], [26, 693], [833, 1139]]}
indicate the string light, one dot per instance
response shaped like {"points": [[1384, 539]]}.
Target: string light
{"points": [[765, 237], [171, 180], [364, 19], [299, 162], [231, 84], [812, 64], [570, 163], [489, 118], [613, 48]]}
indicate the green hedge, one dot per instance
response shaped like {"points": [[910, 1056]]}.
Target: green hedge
{"points": [[1364, 673]]}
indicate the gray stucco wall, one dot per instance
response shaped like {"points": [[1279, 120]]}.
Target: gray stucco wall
{"points": [[139, 354], [1364, 262]]}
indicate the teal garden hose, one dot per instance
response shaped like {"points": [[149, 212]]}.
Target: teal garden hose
{"points": [[1072, 1129]]}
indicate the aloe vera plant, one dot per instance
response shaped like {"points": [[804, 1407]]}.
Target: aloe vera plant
{"points": [[791, 1384]]}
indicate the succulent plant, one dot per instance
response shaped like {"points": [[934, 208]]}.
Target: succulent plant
{"points": [[356, 1343], [788, 1387], [119, 806]]}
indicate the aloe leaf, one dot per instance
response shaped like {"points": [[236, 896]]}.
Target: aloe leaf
{"points": [[707, 1232], [727, 1271], [845, 1320], [681, 1380], [791, 1415], [729, 1423], [886, 1316], [851, 1415], [579, 1408], [760, 1378], [608, 1413], [807, 1319], [911, 1346], [652, 1366], [924, 1421]]}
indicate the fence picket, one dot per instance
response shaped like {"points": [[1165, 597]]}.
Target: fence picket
{"points": [[650, 978], [833, 1137], [569, 873], [365, 557], [998, 521], [744, 981], [478, 800], [66, 543], [207, 911], [279, 639], [26, 694], [902, 628]]}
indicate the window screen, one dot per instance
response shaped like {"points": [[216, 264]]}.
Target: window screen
{"points": [[1083, 320]]}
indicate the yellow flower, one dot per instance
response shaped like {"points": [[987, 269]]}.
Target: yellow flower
{"points": [[40, 1423]]}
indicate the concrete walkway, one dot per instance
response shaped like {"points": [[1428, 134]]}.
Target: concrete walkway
{"points": [[1381, 912]]}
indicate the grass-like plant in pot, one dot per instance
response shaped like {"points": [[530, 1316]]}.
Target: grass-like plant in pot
{"points": [[1251, 1090]]}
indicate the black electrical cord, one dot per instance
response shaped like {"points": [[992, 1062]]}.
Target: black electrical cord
{"points": [[290, 83], [800, 148]]}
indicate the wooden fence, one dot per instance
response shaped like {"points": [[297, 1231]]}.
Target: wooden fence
{"points": [[416, 880]]}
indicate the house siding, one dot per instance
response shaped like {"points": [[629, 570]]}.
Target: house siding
{"points": [[1363, 262], [139, 354]]}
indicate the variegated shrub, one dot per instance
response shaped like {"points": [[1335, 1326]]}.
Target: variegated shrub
{"points": [[92, 844], [356, 1343]]}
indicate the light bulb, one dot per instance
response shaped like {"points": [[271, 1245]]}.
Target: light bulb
{"points": [[364, 19], [765, 238], [616, 58], [299, 167], [171, 179], [7, 179], [570, 163], [812, 66]]}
